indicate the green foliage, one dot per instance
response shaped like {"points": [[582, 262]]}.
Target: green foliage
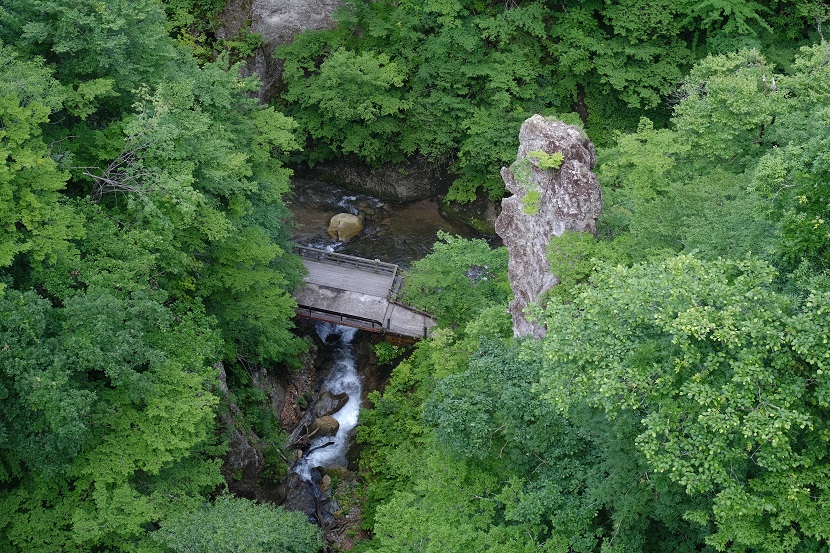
{"points": [[34, 218], [458, 279], [251, 298], [86, 40], [467, 73], [122, 414], [243, 46], [351, 104], [193, 22], [238, 525], [531, 202], [386, 352], [725, 378], [793, 176], [523, 173], [545, 160], [46, 407], [727, 103], [572, 257], [142, 229], [677, 403]]}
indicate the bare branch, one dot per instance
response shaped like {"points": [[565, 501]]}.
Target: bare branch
{"points": [[124, 173]]}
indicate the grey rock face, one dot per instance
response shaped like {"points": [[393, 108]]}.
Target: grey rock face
{"points": [[568, 198], [411, 180], [481, 213], [329, 403], [244, 461], [278, 21]]}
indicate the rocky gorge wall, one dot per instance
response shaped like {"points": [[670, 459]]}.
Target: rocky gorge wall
{"points": [[412, 180], [278, 21]]}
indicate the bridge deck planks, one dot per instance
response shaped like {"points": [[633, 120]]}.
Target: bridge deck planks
{"points": [[361, 293], [348, 278]]}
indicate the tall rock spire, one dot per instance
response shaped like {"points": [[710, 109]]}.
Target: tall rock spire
{"points": [[554, 189]]}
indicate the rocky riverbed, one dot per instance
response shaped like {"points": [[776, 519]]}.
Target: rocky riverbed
{"points": [[393, 232]]}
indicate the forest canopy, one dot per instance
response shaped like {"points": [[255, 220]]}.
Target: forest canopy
{"points": [[679, 401], [452, 80], [131, 176]]}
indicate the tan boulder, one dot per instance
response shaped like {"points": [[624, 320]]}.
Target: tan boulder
{"points": [[345, 226], [323, 426]]}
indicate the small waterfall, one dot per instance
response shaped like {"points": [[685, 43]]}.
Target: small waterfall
{"points": [[343, 377]]}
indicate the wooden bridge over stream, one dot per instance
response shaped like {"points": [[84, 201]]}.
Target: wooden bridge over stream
{"points": [[357, 292]]}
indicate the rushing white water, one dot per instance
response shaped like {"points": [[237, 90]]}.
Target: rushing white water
{"points": [[342, 377]]}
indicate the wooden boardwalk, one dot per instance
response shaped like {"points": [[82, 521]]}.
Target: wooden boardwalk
{"points": [[357, 292]]}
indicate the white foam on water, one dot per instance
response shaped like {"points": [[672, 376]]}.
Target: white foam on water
{"points": [[342, 377]]}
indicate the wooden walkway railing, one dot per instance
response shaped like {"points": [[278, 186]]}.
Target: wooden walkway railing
{"points": [[373, 265], [320, 314]]}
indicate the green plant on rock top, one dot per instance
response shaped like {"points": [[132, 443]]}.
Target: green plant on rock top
{"points": [[545, 160]]}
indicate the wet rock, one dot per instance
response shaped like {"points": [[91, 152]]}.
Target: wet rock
{"points": [[273, 386], [323, 426], [299, 388], [546, 201], [345, 226], [302, 495], [329, 403], [244, 461], [414, 179], [480, 214]]}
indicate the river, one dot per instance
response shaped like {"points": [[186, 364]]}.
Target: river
{"points": [[330, 451], [395, 233]]}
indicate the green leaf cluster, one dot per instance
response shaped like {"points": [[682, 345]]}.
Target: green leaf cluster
{"points": [[231, 525], [143, 240], [453, 81], [724, 377], [458, 279], [678, 401]]}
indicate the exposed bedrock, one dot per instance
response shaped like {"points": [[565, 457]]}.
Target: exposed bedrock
{"points": [[411, 180], [480, 214], [278, 21], [547, 200]]}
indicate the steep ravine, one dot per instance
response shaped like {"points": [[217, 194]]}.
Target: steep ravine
{"points": [[320, 403], [321, 481], [326, 450]]}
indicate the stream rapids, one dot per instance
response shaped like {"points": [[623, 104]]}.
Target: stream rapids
{"points": [[330, 451]]}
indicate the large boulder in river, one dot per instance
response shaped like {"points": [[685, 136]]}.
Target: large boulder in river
{"points": [[345, 226], [323, 426], [548, 198]]}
